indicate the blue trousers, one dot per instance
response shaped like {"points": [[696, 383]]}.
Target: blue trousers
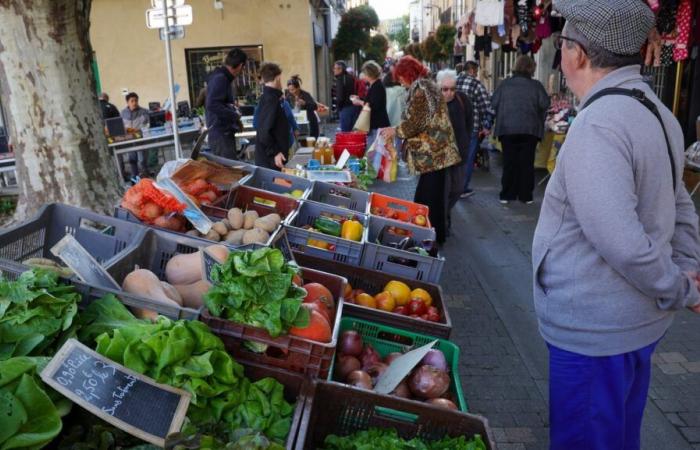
{"points": [[473, 145], [348, 116], [597, 403]]}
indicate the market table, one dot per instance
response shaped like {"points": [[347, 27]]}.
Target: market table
{"points": [[187, 135]]}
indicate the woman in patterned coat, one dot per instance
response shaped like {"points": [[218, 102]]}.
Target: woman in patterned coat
{"points": [[429, 141]]}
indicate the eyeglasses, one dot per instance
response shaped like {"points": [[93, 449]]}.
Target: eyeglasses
{"points": [[559, 43], [449, 89]]}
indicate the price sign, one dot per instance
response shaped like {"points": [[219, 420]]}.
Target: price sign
{"points": [[400, 368], [119, 396], [281, 243], [208, 263]]}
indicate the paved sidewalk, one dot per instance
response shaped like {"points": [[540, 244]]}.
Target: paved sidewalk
{"points": [[503, 366]]}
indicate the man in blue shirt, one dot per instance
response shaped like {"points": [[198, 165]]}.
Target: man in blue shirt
{"points": [[222, 116]]}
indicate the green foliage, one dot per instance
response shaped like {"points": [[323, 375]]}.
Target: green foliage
{"points": [[353, 31], [403, 36], [7, 206], [415, 50], [255, 288], [377, 48], [36, 314], [388, 439], [445, 36], [432, 50]]}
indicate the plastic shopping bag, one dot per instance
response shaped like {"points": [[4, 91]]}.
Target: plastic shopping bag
{"points": [[384, 157]]}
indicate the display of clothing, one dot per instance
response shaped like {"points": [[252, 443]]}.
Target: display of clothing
{"points": [[543, 30], [482, 44], [523, 11], [489, 13], [683, 22]]}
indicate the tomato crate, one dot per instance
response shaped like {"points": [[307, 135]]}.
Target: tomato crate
{"points": [[385, 339], [343, 410], [251, 199], [278, 182], [289, 352], [322, 245], [403, 263], [373, 282], [397, 209], [102, 236], [341, 196]]}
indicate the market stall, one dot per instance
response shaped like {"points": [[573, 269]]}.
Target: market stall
{"points": [[248, 301]]}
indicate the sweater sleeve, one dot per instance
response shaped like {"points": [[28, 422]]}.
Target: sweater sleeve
{"points": [[217, 91], [414, 122], [601, 191], [267, 112]]}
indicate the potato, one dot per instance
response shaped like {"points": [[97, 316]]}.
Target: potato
{"points": [[227, 223], [213, 236], [274, 217], [194, 233], [249, 219], [255, 235], [266, 224], [235, 237], [235, 216], [220, 228]]}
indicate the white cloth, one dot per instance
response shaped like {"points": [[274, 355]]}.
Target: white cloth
{"points": [[489, 13]]}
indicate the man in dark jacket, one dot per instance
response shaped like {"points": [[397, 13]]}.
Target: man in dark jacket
{"points": [[344, 88], [272, 140], [109, 111], [222, 116]]}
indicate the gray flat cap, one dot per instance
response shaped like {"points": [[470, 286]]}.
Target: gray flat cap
{"points": [[619, 26]]}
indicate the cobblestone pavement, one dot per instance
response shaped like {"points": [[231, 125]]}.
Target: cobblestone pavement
{"points": [[487, 280]]}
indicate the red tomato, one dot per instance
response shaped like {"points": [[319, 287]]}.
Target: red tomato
{"points": [[318, 330], [417, 306], [401, 310], [321, 308], [318, 292], [424, 316]]}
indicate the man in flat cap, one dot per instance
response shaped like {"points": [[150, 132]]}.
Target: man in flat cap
{"points": [[616, 249]]}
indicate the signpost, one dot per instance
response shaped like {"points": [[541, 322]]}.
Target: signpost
{"points": [[170, 16]]}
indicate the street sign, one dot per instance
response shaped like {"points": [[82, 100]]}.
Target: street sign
{"points": [[170, 3], [176, 32], [179, 15]]}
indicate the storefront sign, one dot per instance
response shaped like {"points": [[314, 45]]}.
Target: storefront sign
{"points": [[117, 395]]}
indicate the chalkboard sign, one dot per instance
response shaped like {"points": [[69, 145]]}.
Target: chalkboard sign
{"points": [[126, 399], [281, 243], [208, 263], [82, 263]]}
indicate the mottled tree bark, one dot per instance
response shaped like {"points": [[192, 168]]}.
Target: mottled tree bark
{"points": [[54, 120]]}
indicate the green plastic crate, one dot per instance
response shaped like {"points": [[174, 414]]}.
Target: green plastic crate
{"points": [[385, 340]]}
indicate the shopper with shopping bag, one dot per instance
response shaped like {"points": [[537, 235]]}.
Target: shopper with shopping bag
{"points": [[375, 101]]}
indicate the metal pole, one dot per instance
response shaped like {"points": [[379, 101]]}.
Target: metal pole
{"points": [[169, 62], [677, 87]]}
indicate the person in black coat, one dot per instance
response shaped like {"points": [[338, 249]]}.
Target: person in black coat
{"points": [[272, 140], [344, 87], [297, 97], [521, 105], [375, 98]]}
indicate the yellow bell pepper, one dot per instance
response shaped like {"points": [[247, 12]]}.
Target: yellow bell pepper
{"points": [[352, 230]]}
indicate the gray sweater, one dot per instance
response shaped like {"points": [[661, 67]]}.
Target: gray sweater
{"points": [[613, 239], [521, 105]]}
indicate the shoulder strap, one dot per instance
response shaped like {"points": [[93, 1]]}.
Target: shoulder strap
{"points": [[651, 106]]}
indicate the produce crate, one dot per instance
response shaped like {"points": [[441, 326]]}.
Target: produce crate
{"points": [[400, 262], [344, 250], [271, 180], [343, 410], [373, 282], [385, 340], [289, 352], [247, 198], [103, 237], [227, 162], [341, 196], [404, 210]]}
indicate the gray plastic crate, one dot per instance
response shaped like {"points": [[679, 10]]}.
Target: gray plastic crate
{"points": [[345, 251], [341, 196], [228, 162], [102, 236], [264, 179], [400, 262]]}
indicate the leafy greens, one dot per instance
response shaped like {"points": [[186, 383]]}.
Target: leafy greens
{"points": [[255, 288], [388, 439]]}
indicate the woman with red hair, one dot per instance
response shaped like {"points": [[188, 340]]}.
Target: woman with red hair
{"points": [[429, 140]]}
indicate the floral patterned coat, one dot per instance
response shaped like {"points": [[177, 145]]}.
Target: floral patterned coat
{"points": [[430, 142]]}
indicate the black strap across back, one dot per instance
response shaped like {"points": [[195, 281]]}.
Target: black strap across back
{"points": [[639, 95]]}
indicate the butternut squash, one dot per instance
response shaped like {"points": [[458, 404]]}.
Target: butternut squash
{"points": [[171, 292], [145, 283], [220, 252], [185, 268], [193, 294]]}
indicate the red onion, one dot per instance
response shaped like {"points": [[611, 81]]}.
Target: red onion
{"points": [[369, 357], [442, 403], [350, 343], [376, 370], [428, 382], [402, 390], [360, 379], [435, 358], [388, 359], [344, 365]]}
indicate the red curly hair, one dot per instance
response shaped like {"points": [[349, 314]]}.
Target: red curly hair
{"points": [[410, 69]]}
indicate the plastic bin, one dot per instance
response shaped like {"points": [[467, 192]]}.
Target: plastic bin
{"points": [[341, 196], [102, 236], [311, 358], [277, 182], [227, 162], [338, 249], [385, 339], [343, 410], [351, 137], [400, 262], [373, 282], [402, 210], [356, 150]]}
